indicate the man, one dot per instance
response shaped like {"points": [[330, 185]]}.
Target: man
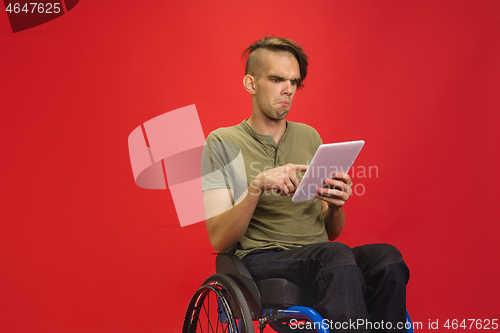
{"points": [[251, 171]]}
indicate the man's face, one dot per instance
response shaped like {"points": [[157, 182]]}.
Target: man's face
{"points": [[276, 83]]}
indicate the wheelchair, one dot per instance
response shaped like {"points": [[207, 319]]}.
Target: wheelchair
{"points": [[231, 301]]}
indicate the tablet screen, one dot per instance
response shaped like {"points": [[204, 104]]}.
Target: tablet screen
{"points": [[329, 158]]}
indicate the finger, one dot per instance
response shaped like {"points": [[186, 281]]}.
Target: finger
{"points": [[333, 193], [337, 184], [290, 186], [343, 177], [330, 193], [284, 188], [335, 202], [299, 167], [277, 187], [295, 180]]}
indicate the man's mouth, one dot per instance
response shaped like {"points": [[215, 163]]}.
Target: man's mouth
{"points": [[284, 103]]}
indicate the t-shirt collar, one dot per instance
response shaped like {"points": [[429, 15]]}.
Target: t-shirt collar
{"points": [[258, 136]]}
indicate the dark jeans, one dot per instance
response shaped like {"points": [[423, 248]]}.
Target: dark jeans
{"points": [[363, 283]]}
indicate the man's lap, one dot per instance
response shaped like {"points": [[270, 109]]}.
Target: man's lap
{"points": [[301, 265]]}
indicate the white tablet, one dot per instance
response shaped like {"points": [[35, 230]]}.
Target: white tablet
{"points": [[329, 158]]}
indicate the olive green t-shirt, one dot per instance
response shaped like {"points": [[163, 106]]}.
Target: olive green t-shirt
{"points": [[233, 156]]}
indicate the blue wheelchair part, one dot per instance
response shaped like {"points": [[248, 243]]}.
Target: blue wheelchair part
{"points": [[409, 324], [301, 312], [317, 321], [223, 317], [222, 314]]}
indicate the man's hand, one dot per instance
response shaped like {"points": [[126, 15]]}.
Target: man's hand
{"points": [[284, 179], [337, 190]]}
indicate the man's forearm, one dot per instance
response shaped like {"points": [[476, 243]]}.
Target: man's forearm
{"points": [[334, 221], [225, 229]]}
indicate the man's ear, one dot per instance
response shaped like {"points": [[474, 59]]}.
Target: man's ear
{"points": [[249, 83]]}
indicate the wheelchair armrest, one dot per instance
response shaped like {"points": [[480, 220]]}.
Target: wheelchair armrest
{"points": [[232, 266]]}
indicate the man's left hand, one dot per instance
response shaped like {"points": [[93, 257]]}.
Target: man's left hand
{"points": [[336, 190]]}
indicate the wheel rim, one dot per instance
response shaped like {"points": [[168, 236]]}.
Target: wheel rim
{"points": [[211, 312]]}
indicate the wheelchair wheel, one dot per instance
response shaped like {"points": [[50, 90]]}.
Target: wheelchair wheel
{"points": [[218, 306]]}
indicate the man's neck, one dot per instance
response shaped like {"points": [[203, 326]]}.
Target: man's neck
{"points": [[267, 126]]}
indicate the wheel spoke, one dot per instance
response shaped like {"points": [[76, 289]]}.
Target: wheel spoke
{"points": [[209, 324], [198, 323], [218, 318], [208, 314]]}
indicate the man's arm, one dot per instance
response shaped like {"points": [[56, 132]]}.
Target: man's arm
{"points": [[227, 223], [333, 199], [226, 228], [334, 220]]}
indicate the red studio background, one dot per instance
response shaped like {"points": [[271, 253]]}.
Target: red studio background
{"points": [[84, 249]]}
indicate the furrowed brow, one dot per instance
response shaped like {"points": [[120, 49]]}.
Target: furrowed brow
{"points": [[283, 78], [276, 77]]}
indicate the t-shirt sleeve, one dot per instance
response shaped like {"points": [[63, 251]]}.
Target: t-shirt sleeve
{"points": [[214, 173]]}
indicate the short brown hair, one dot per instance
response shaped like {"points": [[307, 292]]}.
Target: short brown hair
{"points": [[278, 44]]}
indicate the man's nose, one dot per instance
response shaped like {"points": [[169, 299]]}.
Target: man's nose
{"points": [[288, 88]]}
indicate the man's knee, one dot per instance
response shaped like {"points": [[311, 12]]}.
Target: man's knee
{"points": [[372, 258], [377, 250], [398, 273], [333, 255]]}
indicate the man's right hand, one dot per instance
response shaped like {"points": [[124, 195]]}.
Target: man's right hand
{"points": [[226, 222], [284, 179]]}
